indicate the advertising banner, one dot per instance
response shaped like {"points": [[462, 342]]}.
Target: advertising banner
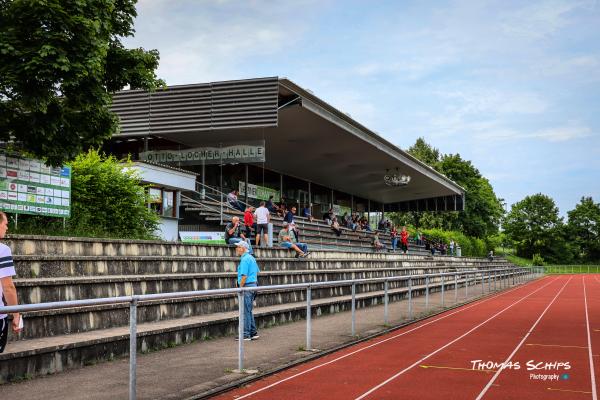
{"points": [[28, 186], [202, 237], [258, 192]]}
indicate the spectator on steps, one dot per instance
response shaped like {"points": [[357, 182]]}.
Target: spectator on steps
{"points": [[289, 215], [335, 226], [404, 239], [247, 277], [233, 233], [287, 240], [249, 221], [451, 247], [328, 217], [394, 236], [270, 205], [8, 293], [263, 217], [490, 256], [377, 245], [232, 200], [307, 212]]}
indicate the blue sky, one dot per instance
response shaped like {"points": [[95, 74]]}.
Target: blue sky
{"points": [[513, 86]]}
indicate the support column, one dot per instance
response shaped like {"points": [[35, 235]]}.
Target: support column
{"points": [[280, 186], [331, 203], [246, 185], [351, 203]]}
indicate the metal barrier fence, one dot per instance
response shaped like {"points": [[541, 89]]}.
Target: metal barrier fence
{"points": [[495, 279], [572, 269]]}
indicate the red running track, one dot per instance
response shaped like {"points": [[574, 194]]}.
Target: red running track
{"points": [[537, 341]]}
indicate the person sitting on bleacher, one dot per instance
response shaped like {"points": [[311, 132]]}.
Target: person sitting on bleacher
{"points": [[307, 212], [289, 218], [377, 245], [328, 217], [287, 239], [335, 226], [232, 199], [270, 205], [233, 233]]}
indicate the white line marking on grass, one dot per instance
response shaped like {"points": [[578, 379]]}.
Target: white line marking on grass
{"points": [[461, 309], [497, 374], [446, 345]]}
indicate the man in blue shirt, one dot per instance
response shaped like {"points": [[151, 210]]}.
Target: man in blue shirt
{"points": [[247, 277]]}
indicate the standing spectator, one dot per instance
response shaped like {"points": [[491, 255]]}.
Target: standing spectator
{"points": [[263, 217], [247, 277], [7, 286], [232, 199], [233, 233], [249, 221], [404, 239], [394, 235], [490, 256], [287, 240], [451, 247]]}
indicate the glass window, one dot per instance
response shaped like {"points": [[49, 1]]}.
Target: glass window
{"points": [[168, 205]]}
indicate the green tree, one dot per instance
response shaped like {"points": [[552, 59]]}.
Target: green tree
{"points": [[60, 61], [483, 209], [423, 151], [535, 227], [584, 228]]}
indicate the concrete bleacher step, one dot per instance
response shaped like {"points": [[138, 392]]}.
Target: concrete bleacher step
{"points": [[41, 266], [46, 355]]}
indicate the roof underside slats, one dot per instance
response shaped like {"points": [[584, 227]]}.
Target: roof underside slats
{"points": [[189, 108]]}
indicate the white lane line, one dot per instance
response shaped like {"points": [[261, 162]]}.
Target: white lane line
{"points": [[390, 338], [587, 322], [446, 345], [497, 374]]}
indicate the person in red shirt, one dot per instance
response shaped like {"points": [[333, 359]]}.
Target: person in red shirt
{"points": [[404, 239], [249, 220]]}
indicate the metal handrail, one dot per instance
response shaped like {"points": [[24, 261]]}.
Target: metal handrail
{"points": [[518, 275]]}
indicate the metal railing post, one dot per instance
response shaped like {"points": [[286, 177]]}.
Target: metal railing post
{"points": [[133, 348], [467, 285], [495, 286], [443, 284], [241, 331], [385, 303], [455, 288], [409, 298], [221, 209], [308, 318], [426, 294], [489, 281], [482, 284], [353, 309]]}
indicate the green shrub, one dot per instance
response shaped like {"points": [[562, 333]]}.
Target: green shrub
{"points": [[537, 260], [108, 198]]}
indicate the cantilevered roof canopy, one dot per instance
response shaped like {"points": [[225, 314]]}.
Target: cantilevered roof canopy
{"points": [[304, 137]]}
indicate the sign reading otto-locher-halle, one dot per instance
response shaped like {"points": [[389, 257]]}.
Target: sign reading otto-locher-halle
{"points": [[240, 153], [28, 186]]}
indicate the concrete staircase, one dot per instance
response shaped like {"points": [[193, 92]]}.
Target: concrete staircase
{"points": [[58, 269]]}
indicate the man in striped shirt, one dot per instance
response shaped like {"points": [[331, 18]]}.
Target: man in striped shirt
{"points": [[8, 293]]}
